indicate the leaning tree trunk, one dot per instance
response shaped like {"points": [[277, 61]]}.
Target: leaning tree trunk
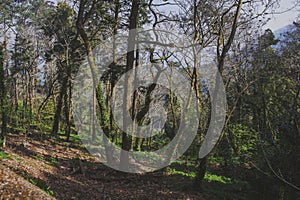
{"points": [[222, 50], [99, 97]]}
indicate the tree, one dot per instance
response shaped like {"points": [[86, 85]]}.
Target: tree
{"points": [[67, 53], [6, 21], [131, 42], [214, 24], [3, 99], [276, 106]]}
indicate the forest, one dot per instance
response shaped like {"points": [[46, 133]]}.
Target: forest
{"points": [[148, 99]]}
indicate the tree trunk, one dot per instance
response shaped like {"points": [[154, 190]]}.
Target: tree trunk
{"points": [[3, 99], [221, 54], [16, 94], [30, 94], [68, 99], [99, 96], [126, 143], [200, 173], [59, 105]]}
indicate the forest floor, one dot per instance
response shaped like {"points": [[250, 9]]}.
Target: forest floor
{"points": [[65, 170]]}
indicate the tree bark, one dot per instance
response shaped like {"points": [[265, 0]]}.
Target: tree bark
{"points": [[201, 170], [58, 108], [99, 96], [126, 141], [68, 103], [3, 99]]}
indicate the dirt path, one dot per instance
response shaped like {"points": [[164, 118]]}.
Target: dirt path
{"points": [[55, 168]]}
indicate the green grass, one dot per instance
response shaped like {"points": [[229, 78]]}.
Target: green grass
{"points": [[52, 161], [188, 164], [19, 159], [174, 171], [221, 179], [39, 183], [75, 138], [217, 186], [2, 155], [209, 177], [216, 160], [36, 157], [21, 129]]}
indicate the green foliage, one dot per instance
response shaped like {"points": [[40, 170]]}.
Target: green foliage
{"points": [[170, 170], [217, 178], [2, 155], [40, 158], [52, 161], [75, 138], [216, 160], [188, 164], [19, 159], [244, 141], [263, 88], [159, 141], [39, 183], [209, 177]]}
